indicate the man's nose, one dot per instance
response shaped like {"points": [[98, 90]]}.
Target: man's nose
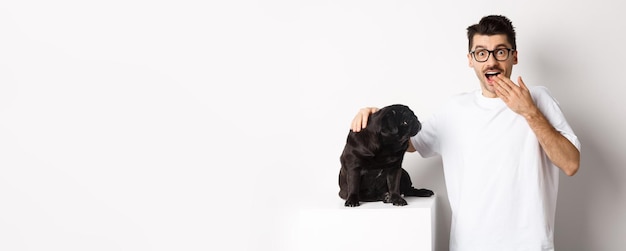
{"points": [[492, 56], [491, 60]]}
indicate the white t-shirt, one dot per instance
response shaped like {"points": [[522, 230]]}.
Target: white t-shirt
{"points": [[501, 185]]}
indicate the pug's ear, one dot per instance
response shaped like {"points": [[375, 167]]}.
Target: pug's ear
{"points": [[390, 124]]}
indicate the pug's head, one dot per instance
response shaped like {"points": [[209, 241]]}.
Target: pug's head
{"points": [[399, 121]]}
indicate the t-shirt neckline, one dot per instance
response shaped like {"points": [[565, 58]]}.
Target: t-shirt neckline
{"points": [[487, 102]]}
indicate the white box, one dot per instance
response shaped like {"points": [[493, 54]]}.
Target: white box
{"points": [[371, 226]]}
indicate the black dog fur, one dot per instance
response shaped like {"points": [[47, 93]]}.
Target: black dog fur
{"points": [[371, 162]]}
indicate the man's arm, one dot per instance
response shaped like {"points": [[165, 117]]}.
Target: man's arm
{"points": [[411, 148], [558, 148]]}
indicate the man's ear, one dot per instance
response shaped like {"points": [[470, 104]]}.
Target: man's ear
{"points": [[470, 62]]}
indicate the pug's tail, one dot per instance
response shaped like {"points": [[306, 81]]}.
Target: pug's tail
{"points": [[418, 192], [407, 189]]}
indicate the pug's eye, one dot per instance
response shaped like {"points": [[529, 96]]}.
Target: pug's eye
{"points": [[405, 123]]}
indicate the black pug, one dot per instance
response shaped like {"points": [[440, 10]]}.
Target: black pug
{"points": [[371, 162]]}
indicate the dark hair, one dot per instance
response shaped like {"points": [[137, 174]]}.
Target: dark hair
{"points": [[492, 25]]}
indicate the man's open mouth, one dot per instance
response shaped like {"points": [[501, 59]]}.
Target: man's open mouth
{"points": [[490, 75]]}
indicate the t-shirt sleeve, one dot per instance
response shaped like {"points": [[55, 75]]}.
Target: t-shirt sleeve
{"points": [[550, 108], [426, 141]]}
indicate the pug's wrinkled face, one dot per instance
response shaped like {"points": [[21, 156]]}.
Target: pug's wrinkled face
{"points": [[409, 125], [402, 121]]}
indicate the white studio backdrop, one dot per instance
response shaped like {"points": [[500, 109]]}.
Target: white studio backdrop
{"points": [[192, 125]]}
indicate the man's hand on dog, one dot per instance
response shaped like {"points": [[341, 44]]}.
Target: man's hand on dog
{"points": [[360, 120]]}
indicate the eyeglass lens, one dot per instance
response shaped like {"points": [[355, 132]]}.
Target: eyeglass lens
{"points": [[481, 55]]}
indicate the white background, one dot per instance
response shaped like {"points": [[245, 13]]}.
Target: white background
{"points": [[196, 125]]}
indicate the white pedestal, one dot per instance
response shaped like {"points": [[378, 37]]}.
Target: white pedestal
{"points": [[371, 226]]}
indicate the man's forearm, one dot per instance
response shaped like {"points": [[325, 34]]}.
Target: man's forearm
{"points": [[558, 148]]}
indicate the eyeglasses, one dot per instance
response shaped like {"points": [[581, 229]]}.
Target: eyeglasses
{"points": [[482, 55]]}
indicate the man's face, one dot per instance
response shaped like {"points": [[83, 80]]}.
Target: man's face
{"points": [[486, 71]]}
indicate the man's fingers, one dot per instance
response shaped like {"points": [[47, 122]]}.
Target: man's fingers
{"points": [[360, 120], [521, 83], [356, 123], [505, 83], [364, 119], [501, 87]]}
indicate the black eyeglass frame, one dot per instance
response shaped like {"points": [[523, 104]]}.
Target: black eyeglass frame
{"points": [[510, 50]]}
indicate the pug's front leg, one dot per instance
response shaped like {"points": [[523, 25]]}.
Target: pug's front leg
{"points": [[393, 184], [354, 183]]}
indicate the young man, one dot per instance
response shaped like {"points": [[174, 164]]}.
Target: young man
{"points": [[502, 147]]}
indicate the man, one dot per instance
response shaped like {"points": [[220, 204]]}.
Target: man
{"points": [[502, 148]]}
